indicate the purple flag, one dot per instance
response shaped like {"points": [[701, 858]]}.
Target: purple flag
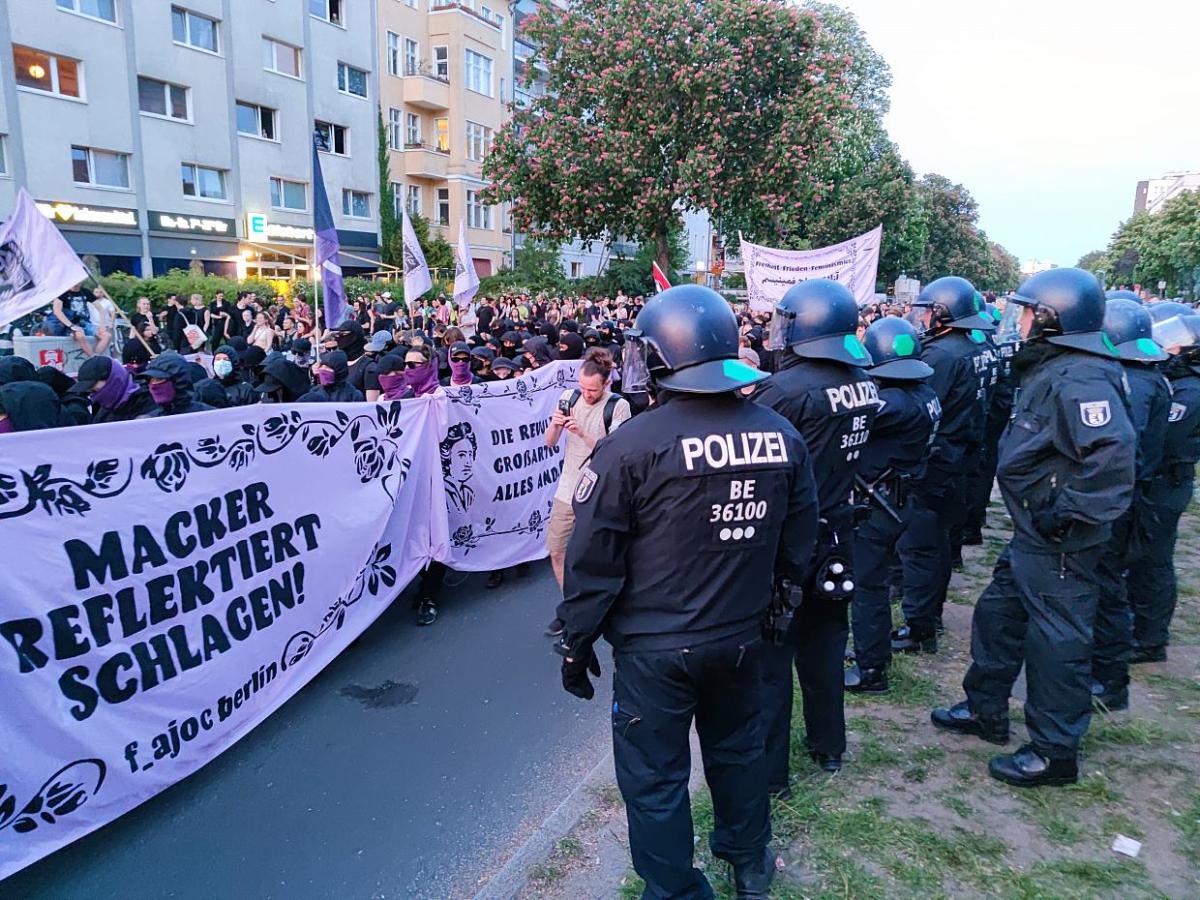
{"points": [[327, 245]]}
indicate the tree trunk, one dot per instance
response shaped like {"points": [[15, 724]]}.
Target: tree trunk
{"points": [[662, 247]]}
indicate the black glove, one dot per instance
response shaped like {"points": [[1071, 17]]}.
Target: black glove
{"points": [[575, 668], [1051, 525]]}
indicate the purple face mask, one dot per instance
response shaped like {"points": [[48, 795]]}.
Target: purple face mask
{"points": [[423, 379], [163, 392], [6, 425], [326, 376], [392, 385], [118, 388], [460, 371]]}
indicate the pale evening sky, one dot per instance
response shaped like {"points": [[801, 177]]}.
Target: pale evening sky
{"points": [[1049, 112]]}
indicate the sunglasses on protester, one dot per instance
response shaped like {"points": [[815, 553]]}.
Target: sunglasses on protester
{"points": [[461, 357]]}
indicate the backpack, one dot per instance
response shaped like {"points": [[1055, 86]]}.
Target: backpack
{"points": [[610, 406]]}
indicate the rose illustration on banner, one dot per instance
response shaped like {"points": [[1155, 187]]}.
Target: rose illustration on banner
{"points": [[369, 459], [63, 793], [168, 465], [59, 495]]}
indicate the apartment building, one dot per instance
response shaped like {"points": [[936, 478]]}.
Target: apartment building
{"points": [[155, 134], [445, 78]]}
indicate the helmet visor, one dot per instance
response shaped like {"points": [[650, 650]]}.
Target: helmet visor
{"points": [[777, 335], [1009, 329], [918, 318], [1175, 332], [635, 368]]}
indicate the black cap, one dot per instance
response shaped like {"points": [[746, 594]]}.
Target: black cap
{"points": [[460, 347], [302, 345], [502, 362], [94, 369]]}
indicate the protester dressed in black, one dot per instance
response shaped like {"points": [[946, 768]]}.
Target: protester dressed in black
{"points": [[332, 386], [31, 406], [170, 377], [113, 393]]}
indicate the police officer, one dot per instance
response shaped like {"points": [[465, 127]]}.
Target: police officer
{"points": [[956, 348], [683, 518], [1151, 576], [1066, 471], [820, 388], [1128, 326], [999, 407], [904, 426]]}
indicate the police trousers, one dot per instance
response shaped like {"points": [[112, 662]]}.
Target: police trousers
{"points": [[1112, 634], [871, 611], [1037, 612], [1151, 578], [926, 554], [656, 696]]}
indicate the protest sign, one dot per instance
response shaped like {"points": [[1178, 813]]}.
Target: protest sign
{"points": [[770, 272], [36, 262], [498, 474], [170, 583]]}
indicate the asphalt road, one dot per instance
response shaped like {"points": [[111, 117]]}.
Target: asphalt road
{"points": [[411, 767]]}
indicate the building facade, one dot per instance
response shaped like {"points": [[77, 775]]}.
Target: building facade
{"points": [[1154, 192], [184, 133]]}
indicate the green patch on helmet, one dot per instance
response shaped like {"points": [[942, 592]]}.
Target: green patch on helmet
{"points": [[977, 301], [904, 345], [739, 371], [854, 347], [1112, 348], [976, 335], [1148, 347]]}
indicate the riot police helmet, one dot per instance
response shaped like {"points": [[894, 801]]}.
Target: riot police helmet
{"points": [[1123, 294], [895, 347], [1164, 309], [1068, 308], [953, 302], [1178, 334], [1130, 327], [818, 319], [686, 340]]}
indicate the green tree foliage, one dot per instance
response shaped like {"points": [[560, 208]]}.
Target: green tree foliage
{"points": [[1165, 246], [734, 106], [126, 289], [438, 252], [1092, 261], [388, 227]]}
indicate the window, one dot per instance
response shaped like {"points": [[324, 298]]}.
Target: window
{"points": [[441, 63], [193, 30], [441, 129], [356, 204], [412, 4], [412, 57], [479, 141], [393, 53], [395, 141], [352, 80], [479, 215], [96, 9], [335, 137], [412, 199], [45, 72], [412, 129], [479, 73], [3, 156], [329, 10], [100, 168], [159, 98], [257, 121], [397, 198], [280, 57], [576, 270], [202, 182], [288, 194], [443, 206]]}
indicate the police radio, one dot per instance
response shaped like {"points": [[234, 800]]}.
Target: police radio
{"points": [[834, 579]]}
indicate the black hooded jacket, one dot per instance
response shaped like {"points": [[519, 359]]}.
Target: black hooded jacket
{"points": [[16, 368], [33, 406], [238, 392], [180, 372], [76, 406], [281, 374], [339, 391]]}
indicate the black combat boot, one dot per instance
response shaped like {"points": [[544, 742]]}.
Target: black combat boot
{"points": [[1148, 655], [910, 640], [1028, 768], [959, 719], [752, 882], [866, 681], [1110, 699], [826, 762]]}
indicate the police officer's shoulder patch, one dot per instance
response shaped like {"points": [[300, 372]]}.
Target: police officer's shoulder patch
{"points": [[1095, 414], [587, 482], [1178, 411]]}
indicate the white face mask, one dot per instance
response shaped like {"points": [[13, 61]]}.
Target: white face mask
{"points": [[223, 368]]}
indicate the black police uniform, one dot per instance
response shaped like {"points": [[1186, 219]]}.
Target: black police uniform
{"points": [[894, 458], [961, 363], [683, 516], [1066, 471], [1151, 575], [999, 410], [1149, 406], [832, 405]]}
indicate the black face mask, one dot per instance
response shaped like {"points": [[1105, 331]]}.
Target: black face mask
{"points": [[345, 340]]}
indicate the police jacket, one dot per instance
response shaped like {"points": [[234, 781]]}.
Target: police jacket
{"points": [[832, 405], [908, 416], [962, 366], [1068, 454], [683, 517], [1149, 407], [1181, 445], [1000, 399]]}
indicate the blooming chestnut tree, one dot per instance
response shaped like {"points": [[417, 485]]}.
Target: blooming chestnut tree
{"points": [[654, 106]]}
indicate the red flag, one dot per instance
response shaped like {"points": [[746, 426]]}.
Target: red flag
{"points": [[659, 278]]}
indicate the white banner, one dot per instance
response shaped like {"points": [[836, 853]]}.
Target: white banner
{"points": [[36, 262], [770, 272], [499, 476], [416, 272], [466, 280], [169, 583]]}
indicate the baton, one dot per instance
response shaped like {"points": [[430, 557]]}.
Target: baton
{"points": [[878, 498]]}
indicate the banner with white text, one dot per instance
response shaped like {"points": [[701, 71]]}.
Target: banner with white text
{"points": [[169, 583], [770, 272], [499, 476]]}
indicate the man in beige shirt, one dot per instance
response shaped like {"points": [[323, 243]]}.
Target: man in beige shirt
{"points": [[586, 415]]}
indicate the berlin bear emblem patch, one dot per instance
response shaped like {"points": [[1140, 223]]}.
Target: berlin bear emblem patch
{"points": [[1178, 411], [1095, 414], [583, 490]]}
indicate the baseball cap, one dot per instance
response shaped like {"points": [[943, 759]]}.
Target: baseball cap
{"points": [[378, 342], [93, 370]]}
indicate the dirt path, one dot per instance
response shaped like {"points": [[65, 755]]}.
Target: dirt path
{"points": [[914, 814]]}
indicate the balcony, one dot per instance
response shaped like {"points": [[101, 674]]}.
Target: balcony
{"points": [[425, 161], [425, 90]]}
